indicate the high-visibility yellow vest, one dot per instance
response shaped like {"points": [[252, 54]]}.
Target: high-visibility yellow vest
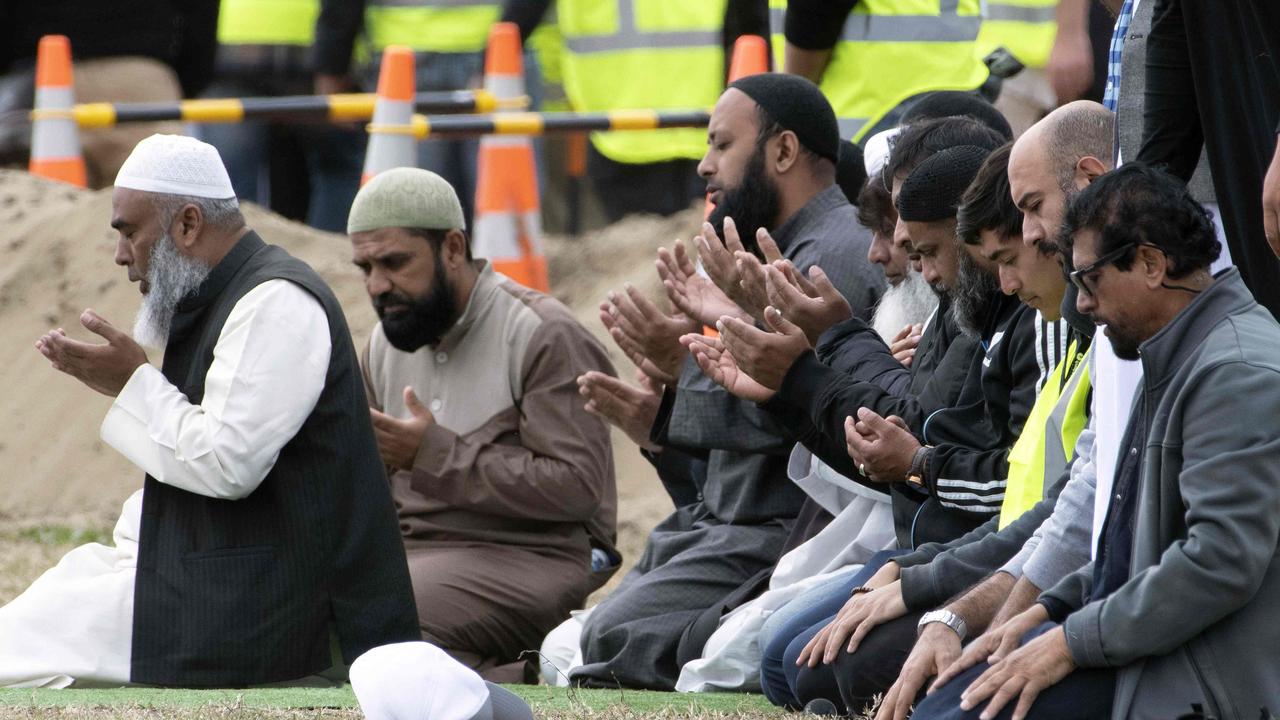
{"points": [[1026, 28], [657, 54], [267, 22], [547, 46], [890, 50], [1049, 436], [445, 26]]}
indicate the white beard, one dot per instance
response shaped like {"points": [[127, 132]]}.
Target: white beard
{"points": [[171, 276], [907, 303]]}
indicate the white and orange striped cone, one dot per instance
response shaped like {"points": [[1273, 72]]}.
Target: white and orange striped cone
{"points": [[508, 219], [391, 142], [55, 139]]}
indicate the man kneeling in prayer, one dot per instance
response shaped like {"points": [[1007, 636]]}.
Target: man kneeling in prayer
{"points": [[265, 527]]}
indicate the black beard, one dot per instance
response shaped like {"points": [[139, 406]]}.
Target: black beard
{"points": [[425, 321], [974, 294], [753, 204], [1124, 345]]}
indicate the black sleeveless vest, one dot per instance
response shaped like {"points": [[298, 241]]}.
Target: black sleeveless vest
{"points": [[243, 592]]}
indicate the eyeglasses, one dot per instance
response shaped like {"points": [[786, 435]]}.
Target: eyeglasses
{"points": [[1081, 278]]}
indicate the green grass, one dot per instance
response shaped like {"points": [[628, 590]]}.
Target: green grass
{"points": [[547, 702]]}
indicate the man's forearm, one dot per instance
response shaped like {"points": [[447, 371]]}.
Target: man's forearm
{"points": [[979, 605], [1022, 596]]}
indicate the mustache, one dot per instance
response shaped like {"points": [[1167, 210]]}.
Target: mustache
{"points": [[389, 298]]}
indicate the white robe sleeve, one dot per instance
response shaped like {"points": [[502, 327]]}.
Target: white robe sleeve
{"points": [[268, 371]]}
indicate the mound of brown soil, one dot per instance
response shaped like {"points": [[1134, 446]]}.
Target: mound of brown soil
{"points": [[57, 247]]}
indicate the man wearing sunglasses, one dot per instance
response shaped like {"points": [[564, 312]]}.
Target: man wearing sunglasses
{"points": [[1194, 507]]}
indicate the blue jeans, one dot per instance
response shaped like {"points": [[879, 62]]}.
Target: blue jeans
{"points": [[782, 639], [1085, 693]]}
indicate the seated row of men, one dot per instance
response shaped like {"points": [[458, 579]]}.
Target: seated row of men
{"points": [[953, 490], [849, 462]]}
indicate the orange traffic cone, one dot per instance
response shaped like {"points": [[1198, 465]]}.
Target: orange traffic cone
{"points": [[508, 222], [391, 143], [55, 140]]}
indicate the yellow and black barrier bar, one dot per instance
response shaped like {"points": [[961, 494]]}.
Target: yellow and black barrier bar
{"points": [[336, 108], [533, 123]]}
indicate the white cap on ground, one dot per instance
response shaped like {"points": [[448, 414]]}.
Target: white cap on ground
{"points": [[877, 148], [176, 165], [416, 681]]}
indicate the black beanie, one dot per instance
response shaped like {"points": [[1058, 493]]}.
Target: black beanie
{"points": [[797, 105], [851, 170], [933, 190], [955, 103]]}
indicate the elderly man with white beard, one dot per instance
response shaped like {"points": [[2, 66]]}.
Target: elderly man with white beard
{"points": [[265, 537]]}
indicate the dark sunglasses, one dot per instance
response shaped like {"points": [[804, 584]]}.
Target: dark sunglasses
{"points": [[1080, 278]]}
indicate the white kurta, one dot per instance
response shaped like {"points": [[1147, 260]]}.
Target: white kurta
{"points": [[74, 624]]}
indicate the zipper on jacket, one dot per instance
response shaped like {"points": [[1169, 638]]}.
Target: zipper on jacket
{"points": [[1210, 701]]}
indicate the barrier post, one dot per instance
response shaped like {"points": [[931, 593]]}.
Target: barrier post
{"points": [[508, 221], [55, 139], [390, 143]]}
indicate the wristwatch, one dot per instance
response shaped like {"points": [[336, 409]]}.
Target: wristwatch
{"points": [[946, 617], [919, 465]]}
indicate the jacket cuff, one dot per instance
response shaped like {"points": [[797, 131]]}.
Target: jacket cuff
{"points": [[662, 421], [433, 453], [1084, 636], [804, 382], [919, 591]]}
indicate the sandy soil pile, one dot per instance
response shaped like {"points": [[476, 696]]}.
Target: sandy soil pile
{"points": [[57, 247]]}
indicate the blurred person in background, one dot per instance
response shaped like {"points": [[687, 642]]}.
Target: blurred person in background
{"points": [[124, 51], [307, 171]]}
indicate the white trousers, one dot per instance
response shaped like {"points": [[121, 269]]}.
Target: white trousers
{"points": [[74, 625]]}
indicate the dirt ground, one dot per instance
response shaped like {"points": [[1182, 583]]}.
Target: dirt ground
{"points": [[62, 485]]}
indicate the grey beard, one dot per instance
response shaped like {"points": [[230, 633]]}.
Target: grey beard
{"points": [[171, 277], [907, 303]]}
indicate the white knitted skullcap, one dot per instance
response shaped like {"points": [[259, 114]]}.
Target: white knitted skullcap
{"points": [[876, 150], [406, 197], [176, 165], [415, 681]]}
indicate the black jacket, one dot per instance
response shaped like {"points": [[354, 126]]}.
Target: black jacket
{"points": [[243, 592], [968, 397]]}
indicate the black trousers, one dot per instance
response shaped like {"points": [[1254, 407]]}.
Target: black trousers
{"points": [[855, 679], [662, 188]]}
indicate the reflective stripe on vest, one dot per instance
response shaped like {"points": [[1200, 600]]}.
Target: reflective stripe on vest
{"points": [[267, 22], [891, 50], [1049, 436], [658, 54], [446, 26], [1026, 28]]}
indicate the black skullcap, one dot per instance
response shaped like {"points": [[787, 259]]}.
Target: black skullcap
{"points": [[851, 170], [933, 190], [797, 105], [954, 103]]}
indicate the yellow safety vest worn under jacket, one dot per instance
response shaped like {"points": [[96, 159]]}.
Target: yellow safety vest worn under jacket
{"points": [[643, 54], [1026, 28], [891, 50], [444, 26], [1049, 436]]}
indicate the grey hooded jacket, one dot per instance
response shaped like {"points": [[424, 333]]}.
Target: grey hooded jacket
{"points": [[1196, 622]]}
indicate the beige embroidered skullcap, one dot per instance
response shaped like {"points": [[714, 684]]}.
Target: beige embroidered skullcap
{"points": [[408, 198]]}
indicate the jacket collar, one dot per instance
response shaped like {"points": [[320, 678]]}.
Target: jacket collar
{"points": [[1163, 353], [482, 297], [817, 206]]}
